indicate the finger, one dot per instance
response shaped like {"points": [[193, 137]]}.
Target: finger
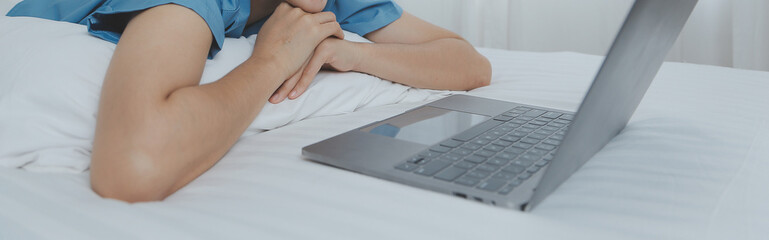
{"points": [[308, 75], [324, 17], [278, 95], [274, 99], [288, 85], [332, 29]]}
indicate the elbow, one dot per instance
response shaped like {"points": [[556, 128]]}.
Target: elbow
{"points": [[480, 76], [130, 178]]}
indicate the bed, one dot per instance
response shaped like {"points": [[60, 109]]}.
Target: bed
{"points": [[691, 164]]}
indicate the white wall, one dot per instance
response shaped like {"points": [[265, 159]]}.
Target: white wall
{"points": [[731, 33]]}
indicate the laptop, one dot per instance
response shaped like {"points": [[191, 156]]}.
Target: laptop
{"points": [[508, 154]]}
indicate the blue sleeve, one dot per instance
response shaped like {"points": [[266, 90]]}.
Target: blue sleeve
{"points": [[364, 16], [107, 19]]}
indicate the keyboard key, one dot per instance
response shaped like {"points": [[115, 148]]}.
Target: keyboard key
{"points": [[511, 125], [480, 141], [530, 140], [485, 153], [521, 163], [526, 130], [567, 117], [557, 125], [514, 169], [540, 118], [498, 161], [537, 136], [462, 152], [522, 145], [451, 173], [550, 128], [489, 137], [507, 189], [478, 174], [519, 121], [518, 134], [501, 143], [408, 167], [544, 132], [475, 159], [505, 176], [467, 181], [557, 137], [522, 108], [535, 113], [491, 185], [477, 130], [552, 142], [429, 154], [472, 146], [533, 169], [524, 176], [551, 115], [417, 160], [547, 147], [494, 148], [548, 158], [531, 158], [511, 114], [440, 149], [538, 122], [538, 152], [525, 118], [515, 150], [487, 167], [541, 163], [504, 128], [465, 165], [451, 143], [497, 133], [562, 121], [432, 167], [510, 139], [506, 156], [451, 157], [503, 118]]}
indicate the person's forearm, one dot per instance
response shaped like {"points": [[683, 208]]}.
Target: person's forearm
{"points": [[446, 64], [169, 142], [215, 115]]}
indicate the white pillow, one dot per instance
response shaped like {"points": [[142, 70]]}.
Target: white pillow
{"points": [[51, 75]]}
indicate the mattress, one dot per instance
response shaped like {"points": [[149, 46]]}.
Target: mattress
{"points": [[691, 164]]}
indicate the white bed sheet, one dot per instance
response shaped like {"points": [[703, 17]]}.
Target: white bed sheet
{"points": [[691, 164]]}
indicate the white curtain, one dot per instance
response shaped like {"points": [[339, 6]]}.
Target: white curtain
{"points": [[730, 33]]}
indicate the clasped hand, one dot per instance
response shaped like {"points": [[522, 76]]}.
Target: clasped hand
{"points": [[298, 44]]}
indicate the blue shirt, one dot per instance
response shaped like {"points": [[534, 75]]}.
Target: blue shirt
{"points": [[106, 19]]}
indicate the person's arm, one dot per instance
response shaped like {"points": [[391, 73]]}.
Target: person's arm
{"points": [[408, 51], [157, 129]]}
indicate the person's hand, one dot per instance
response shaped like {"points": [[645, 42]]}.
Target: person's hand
{"points": [[289, 37], [332, 53]]}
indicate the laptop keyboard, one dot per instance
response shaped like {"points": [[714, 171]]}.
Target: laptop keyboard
{"points": [[497, 155]]}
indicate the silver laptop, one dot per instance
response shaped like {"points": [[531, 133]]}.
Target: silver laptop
{"points": [[509, 154]]}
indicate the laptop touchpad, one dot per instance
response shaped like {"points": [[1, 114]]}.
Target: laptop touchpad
{"points": [[426, 125]]}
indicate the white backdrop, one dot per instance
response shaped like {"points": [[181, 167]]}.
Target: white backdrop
{"points": [[731, 33]]}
